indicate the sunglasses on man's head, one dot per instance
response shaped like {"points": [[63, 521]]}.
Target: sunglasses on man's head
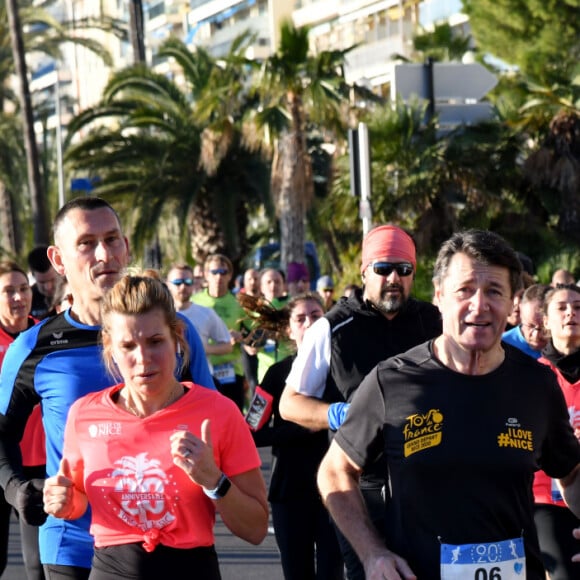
{"points": [[180, 281], [386, 268], [217, 271]]}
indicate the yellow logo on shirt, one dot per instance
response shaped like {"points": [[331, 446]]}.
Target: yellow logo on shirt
{"points": [[516, 437], [422, 431]]}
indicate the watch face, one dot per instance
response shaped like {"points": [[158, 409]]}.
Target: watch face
{"points": [[223, 486], [221, 489]]}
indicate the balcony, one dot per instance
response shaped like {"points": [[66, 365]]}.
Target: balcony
{"points": [[201, 10], [315, 12], [222, 39], [371, 60], [156, 19]]}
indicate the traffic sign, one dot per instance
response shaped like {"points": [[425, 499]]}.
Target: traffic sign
{"points": [[452, 81], [458, 81], [451, 88], [463, 113]]}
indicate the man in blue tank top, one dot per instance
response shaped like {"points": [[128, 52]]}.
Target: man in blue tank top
{"points": [[58, 361]]}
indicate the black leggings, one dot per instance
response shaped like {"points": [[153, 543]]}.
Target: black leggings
{"points": [[28, 533], [57, 572], [132, 562], [234, 391], [305, 536], [5, 515], [557, 545]]}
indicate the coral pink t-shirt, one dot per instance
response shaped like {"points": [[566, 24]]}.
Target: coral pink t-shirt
{"points": [[545, 488], [124, 465]]}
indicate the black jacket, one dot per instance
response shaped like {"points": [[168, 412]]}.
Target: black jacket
{"points": [[362, 337]]}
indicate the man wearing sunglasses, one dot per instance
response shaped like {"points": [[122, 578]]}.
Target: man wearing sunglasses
{"points": [[212, 330], [373, 324], [227, 368]]}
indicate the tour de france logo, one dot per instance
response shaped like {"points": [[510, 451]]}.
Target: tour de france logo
{"points": [[515, 437], [423, 431]]}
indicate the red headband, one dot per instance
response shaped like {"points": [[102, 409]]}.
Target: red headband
{"points": [[387, 241]]}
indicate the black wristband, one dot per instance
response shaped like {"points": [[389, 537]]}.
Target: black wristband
{"points": [[220, 489]]}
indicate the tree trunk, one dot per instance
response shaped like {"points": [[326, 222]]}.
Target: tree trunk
{"points": [[8, 243], [292, 186], [205, 234], [37, 198], [136, 31]]}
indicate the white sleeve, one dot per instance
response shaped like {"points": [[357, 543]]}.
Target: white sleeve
{"points": [[219, 330], [312, 363]]}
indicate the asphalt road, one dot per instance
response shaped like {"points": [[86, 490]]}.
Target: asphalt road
{"points": [[238, 559]]}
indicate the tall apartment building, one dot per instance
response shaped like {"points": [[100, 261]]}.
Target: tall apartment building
{"points": [[81, 74], [379, 28], [214, 24]]}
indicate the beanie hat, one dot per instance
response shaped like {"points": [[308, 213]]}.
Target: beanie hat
{"points": [[297, 271], [324, 282], [387, 241]]}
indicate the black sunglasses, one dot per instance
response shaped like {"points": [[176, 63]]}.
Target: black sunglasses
{"points": [[386, 268], [180, 281]]}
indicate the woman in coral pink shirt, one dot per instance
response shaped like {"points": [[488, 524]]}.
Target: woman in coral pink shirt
{"points": [[155, 458], [553, 519]]}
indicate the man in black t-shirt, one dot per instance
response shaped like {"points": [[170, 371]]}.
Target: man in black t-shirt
{"points": [[462, 423]]}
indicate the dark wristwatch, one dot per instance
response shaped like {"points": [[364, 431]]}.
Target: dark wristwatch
{"points": [[220, 490]]}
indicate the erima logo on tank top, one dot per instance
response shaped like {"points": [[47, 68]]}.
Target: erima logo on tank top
{"points": [[57, 339]]}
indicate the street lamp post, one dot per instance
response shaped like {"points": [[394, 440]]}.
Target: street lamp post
{"points": [[58, 136]]}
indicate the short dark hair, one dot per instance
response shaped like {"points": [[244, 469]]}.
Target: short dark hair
{"points": [[535, 292], [180, 266], [8, 266], [85, 203], [484, 247], [222, 258], [38, 259]]}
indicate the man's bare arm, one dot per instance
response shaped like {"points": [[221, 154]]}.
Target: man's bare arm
{"points": [[310, 412], [218, 348], [570, 486], [338, 482]]}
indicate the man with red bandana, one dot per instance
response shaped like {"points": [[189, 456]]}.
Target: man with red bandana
{"points": [[376, 322]]}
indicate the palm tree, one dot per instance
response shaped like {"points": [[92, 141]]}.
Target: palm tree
{"points": [[443, 43], [37, 195], [549, 118], [12, 178], [554, 170], [429, 183], [295, 88], [46, 35], [150, 157]]}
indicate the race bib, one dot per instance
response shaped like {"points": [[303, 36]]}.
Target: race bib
{"points": [[225, 373], [556, 493], [490, 561]]}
